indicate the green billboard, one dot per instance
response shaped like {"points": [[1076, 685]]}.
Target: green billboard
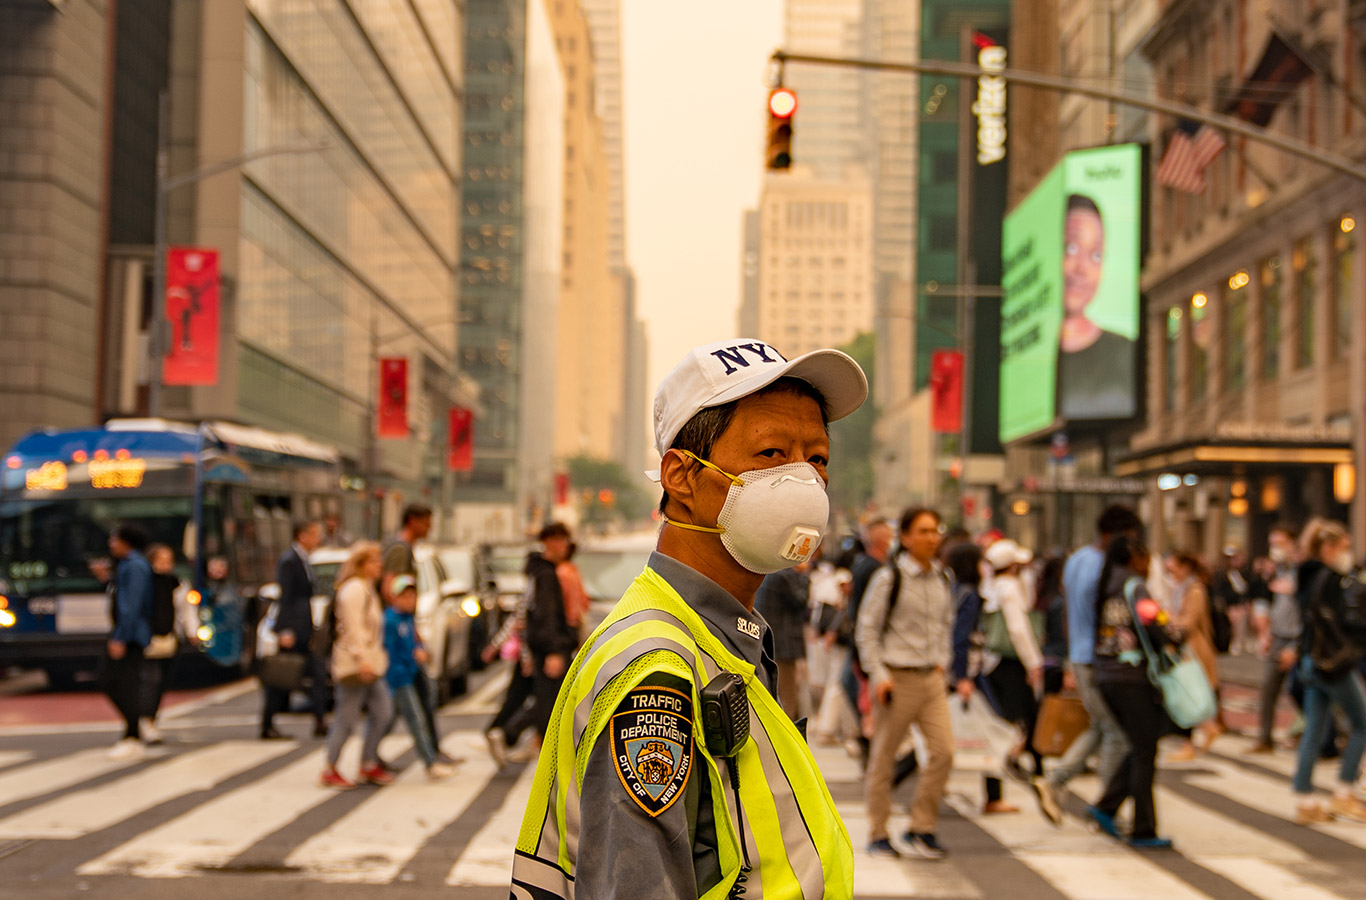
{"points": [[1069, 313]]}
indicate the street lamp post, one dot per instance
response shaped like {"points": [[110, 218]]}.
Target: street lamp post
{"points": [[164, 186]]}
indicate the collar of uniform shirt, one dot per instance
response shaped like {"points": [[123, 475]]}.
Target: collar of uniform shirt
{"points": [[915, 569], [722, 613]]}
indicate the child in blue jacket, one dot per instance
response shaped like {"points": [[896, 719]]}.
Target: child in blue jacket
{"points": [[406, 655]]}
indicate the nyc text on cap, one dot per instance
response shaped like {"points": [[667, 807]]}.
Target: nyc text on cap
{"points": [[718, 373]]}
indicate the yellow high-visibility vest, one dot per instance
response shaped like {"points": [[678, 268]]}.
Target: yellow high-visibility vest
{"points": [[797, 845]]}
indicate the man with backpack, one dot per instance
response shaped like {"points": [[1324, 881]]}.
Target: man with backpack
{"points": [[905, 643]]}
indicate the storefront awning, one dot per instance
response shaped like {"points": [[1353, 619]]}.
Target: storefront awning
{"points": [[1220, 458]]}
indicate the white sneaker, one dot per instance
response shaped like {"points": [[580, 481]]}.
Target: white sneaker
{"points": [[128, 748], [498, 746], [438, 771], [149, 731]]}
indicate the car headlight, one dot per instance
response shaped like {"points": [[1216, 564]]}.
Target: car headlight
{"points": [[471, 607]]}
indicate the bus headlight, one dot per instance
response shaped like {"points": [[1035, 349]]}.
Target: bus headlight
{"points": [[470, 606], [6, 618], [205, 634]]}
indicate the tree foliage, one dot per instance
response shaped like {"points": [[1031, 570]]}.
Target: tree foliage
{"points": [[851, 442], [605, 492]]}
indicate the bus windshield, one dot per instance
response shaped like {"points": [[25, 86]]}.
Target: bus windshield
{"points": [[46, 545]]}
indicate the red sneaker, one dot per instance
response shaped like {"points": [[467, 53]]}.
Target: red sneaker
{"points": [[375, 774], [331, 778]]}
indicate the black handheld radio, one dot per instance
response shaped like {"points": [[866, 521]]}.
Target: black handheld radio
{"points": [[725, 714], [725, 727]]}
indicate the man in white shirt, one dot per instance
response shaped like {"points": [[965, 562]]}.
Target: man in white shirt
{"points": [[905, 643]]}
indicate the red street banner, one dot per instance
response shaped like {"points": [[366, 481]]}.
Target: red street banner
{"points": [[946, 386], [460, 440], [561, 488], [393, 398], [192, 308]]}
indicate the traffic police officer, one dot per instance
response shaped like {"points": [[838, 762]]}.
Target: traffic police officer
{"points": [[669, 770]]}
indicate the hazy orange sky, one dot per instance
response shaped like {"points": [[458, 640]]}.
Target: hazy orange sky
{"points": [[693, 79]]}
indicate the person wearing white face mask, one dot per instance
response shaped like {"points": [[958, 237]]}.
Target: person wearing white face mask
{"points": [[681, 674], [1327, 663], [1279, 633]]}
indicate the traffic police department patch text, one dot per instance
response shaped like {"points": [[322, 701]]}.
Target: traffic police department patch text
{"points": [[652, 746]]}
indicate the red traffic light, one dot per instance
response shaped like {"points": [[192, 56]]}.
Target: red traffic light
{"points": [[782, 103]]}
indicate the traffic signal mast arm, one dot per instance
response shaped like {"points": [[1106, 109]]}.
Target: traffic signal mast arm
{"points": [[1068, 85]]}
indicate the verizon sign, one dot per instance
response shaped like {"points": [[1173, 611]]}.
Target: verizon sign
{"points": [[990, 108]]}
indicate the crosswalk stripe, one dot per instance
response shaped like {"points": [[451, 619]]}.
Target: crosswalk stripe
{"points": [[56, 774], [1077, 864], [1267, 795], [878, 876], [488, 859], [1282, 762], [374, 841], [212, 834], [881, 877], [13, 757], [1259, 877], [485, 700], [84, 811], [1201, 833]]}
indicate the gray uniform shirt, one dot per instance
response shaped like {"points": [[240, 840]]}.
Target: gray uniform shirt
{"points": [[919, 631], [623, 851]]}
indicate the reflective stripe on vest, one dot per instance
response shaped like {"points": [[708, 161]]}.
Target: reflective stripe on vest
{"points": [[797, 844]]}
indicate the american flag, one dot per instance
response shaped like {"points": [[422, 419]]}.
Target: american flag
{"points": [[1191, 148]]}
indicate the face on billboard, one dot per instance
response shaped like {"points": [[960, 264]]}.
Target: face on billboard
{"points": [[1083, 251], [1069, 318]]}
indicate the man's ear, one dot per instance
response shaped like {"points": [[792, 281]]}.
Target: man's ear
{"points": [[676, 478]]}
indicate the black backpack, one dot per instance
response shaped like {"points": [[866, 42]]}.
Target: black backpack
{"points": [[1354, 609]]}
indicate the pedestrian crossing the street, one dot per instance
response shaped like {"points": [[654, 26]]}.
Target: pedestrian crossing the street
{"points": [[200, 810]]}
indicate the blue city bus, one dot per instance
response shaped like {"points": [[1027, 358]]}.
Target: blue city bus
{"points": [[222, 496]]}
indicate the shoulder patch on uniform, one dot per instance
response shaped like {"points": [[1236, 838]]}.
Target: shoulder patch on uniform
{"points": [[652, 746]]}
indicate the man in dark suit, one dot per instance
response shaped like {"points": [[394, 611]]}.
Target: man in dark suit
{"points": [[294, 627]]}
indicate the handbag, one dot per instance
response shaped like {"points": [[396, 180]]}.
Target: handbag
{"points": [[283, 671], [1180, 679], [1333, 653], [161, 646], [997, 634], [1062, 719]]}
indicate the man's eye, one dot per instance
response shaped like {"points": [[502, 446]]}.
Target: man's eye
{"points": [[819, 461], [770, 452]]}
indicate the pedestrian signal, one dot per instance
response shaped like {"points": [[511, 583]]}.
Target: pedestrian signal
{"points": [[782, 103]]}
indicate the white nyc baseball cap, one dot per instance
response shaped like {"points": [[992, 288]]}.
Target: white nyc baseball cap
{"points": [[718, 373], [1006, 552]]}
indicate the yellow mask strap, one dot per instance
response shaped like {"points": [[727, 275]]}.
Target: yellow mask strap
{"points": [[689, 527], [714, 468]]}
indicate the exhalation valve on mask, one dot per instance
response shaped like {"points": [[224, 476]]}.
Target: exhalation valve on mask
{"points": [[774, 518], [801, 544]]}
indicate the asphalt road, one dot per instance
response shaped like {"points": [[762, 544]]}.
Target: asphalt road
{"points": [[214, 813]]}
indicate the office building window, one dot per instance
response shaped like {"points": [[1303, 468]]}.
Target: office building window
{"points": [[1343, 253], [1302, 259], [1172, 348], [1200, 342], [1271, 316], [1235, 332]]}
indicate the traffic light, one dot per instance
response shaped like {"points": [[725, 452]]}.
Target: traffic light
{"points": [[782, 103]]}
